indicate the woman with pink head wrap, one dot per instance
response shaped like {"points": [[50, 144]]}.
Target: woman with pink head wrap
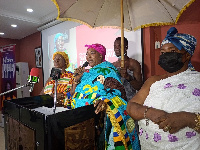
{"points": [[101, 85], [99, 48]]}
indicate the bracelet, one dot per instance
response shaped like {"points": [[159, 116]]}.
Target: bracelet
{"points": [[145, 116], [197, 120]]}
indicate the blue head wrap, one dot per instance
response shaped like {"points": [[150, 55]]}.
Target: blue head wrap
{"points": [[57, 36], [181, 41]]}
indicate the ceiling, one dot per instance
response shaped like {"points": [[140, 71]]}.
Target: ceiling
{"points": [[14, 12]]}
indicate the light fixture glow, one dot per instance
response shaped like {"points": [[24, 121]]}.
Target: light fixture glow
{"points": [[29, 10], [1, 33], [14, 25]]}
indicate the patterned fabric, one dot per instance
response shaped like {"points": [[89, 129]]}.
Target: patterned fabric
{"points": [[92, 87], [177, 93], [99, 48], [63, 86], [130, 91], [180, 40]]}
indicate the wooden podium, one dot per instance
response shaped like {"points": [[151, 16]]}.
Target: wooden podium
{"points": [[28, 129]]}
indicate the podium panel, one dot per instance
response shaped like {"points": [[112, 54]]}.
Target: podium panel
{"points": [[19, 136], [28, 128]]}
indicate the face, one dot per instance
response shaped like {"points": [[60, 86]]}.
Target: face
{"points": [[93, 57], [60, 43], [169, 47], [59, 61], [117, 47]]}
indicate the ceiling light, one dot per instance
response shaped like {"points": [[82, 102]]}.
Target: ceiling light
{"points": [[14, 25], [29, 10], [1, 33]]}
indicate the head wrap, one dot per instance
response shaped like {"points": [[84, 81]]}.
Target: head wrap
{"points": [[181, 41], [65, 56], [99, 48], [57, 36]]}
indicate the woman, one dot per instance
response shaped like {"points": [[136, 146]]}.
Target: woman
{"points": [[168, 106], [60, 60], [102, 87]]}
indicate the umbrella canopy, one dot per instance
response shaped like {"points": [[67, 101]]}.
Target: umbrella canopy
{"points": [[135, 13]]}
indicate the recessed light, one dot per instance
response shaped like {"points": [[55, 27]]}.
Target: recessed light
{"points": [[29, 10], [1, 33], [14, 25]]}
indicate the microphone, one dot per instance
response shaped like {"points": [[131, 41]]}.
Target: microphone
{"points": [[84, 65], [55, 73], [33, 78]]}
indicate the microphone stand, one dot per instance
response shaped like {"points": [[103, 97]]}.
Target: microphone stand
{"points": [[25, 85], [55, 95], [55, 74]]}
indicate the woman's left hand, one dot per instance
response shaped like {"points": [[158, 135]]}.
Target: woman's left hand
{"points": [[173, 122], [101, 106], [60, 97]]}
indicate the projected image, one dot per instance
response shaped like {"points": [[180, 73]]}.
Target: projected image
{"points": [[59, 42]]}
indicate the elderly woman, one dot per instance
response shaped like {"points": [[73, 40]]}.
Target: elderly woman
{"points": [[60, 60], [102, 87], [168, 105]]}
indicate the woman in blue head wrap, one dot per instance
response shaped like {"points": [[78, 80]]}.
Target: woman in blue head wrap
{"points": [[168, 106], [183, 42]]}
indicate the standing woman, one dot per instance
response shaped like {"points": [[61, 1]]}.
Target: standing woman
{"points": [[60, 60], [101, 86], [168, 106]]}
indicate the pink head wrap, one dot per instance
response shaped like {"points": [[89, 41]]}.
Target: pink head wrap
{"points": [[99, 48]]}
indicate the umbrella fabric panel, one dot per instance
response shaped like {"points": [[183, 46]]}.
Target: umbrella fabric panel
{"points": [[137, 13]]}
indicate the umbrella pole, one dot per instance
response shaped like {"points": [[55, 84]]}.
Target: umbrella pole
{"points": [[122, 35]]}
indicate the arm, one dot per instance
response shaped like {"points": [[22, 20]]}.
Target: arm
{"points": [[77, 77], [136, 80], [48, 80], [135, 107], [176, 120], [136, 68]]}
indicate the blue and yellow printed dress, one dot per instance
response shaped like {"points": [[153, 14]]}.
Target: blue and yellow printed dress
{"points": [[98, 84]]}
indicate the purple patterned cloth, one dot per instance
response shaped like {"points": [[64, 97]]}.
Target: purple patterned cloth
{"points": [[181, 86], [196, 92], [172, 138], [168, 85], [157, 137]]}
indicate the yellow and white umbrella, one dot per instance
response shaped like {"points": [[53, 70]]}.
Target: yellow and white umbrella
{"points": [[124, 14]]}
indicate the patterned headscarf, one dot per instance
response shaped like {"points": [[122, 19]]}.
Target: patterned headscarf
{"points": [[65, 56], [99, 48], [181, 41]]}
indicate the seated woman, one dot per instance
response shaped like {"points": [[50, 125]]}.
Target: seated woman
{"points": [[168, 106], [60, 60], [101, 86]]}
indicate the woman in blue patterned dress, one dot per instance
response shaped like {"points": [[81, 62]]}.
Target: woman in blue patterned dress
{"points": [[101, 86]]}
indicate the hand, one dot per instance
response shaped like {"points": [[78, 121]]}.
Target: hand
{"points": [[60, 99], [101, 106], [173, 122], [60, 96], [123, 72], [78, 72]]}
